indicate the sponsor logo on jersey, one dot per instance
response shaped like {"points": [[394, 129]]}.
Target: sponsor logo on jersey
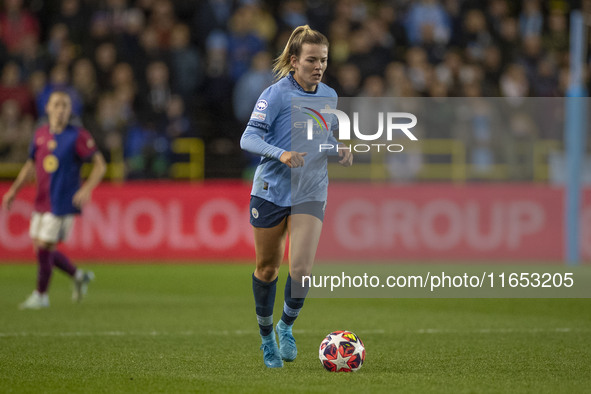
{"points": [[317, 115], [50, 164], [258, 116]]}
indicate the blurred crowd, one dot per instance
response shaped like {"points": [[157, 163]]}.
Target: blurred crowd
{"points": [[144, 72]]}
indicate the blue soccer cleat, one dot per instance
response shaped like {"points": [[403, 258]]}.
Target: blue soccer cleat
{"points": [[270, 350], [287, 345]]}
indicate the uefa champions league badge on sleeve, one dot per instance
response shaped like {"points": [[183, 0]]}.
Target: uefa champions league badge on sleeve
{"points": [[261, 105], [258, 113]]}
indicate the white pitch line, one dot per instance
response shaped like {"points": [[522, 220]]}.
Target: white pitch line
{"points": [[563, 330]]}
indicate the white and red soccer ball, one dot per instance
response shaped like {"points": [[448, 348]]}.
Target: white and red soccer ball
{"points": [[342, 351]]}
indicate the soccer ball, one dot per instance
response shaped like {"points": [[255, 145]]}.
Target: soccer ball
{"points": [[342, 351]]}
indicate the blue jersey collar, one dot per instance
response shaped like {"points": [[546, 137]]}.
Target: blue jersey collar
{"points": [[297, 85]]}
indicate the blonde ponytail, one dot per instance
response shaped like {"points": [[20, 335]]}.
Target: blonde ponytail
{"points": [[301, 35]]}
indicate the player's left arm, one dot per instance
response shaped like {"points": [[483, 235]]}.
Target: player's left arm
{"points": [[342, 149], [345, 155], [25, 174], [99, 168]]}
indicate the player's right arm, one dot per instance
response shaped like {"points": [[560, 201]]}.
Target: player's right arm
{"points": [[26, 173], [253, 141], [264, 114]]}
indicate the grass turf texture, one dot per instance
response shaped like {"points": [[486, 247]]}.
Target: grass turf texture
{"points": [[191, 328]]}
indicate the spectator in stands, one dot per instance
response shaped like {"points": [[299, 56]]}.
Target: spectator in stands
{"points": [[11, 89], [391, 16], [85, 82], [348, 80], [545, 81], [58, 37], [66, 55], [16, 130], [497, 11], [514, 83], [492, 65], [16, 23], [59, 79], [531, 55], [509, 40], [105, 58], [427, 16], [154, 93], [243, 42], [186, 63], [210, 16], [373, 86], [72, 14], [339, 42], [420, 48], [361, 50], [162, 20], [146, 151], [419, 71], [255, 80], [476, 36], [36, 84], [126, 96], [128, 44], [556, 40], [177, 124], [122, 75], [292, 13], [217, 81], [531, 20], [32, 57]]}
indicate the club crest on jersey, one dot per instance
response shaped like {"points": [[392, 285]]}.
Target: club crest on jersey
{"points": [[261, 105], [50, 164], [51, 145], [255, 213]]}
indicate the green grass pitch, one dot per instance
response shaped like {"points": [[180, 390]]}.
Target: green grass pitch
{"points": [[192, 328]]}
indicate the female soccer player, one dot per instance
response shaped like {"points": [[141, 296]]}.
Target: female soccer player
{"points": [[55, 157], [290, 187]]}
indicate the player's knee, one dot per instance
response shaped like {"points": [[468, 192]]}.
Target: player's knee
{"points": [[267, 273], [44, 245], [299, 273], [300, 267]]}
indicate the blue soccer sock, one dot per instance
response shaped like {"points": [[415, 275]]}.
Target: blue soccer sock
{"points": [[264, 299], [293, 305]]}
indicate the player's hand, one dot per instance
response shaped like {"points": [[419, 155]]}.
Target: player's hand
{"points": [[346, 156], [7, 200], [81, 197], [293, 159]]}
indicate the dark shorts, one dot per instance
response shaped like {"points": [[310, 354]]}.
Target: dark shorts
{"points": [[265, 214]]}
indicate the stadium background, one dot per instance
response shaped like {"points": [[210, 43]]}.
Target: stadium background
{"points": [[167, 86]]}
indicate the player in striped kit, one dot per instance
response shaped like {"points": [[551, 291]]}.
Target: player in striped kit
{"points": [[56, 154]]}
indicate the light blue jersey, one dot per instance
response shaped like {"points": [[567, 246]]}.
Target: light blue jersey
{"points": [[279, 123]]}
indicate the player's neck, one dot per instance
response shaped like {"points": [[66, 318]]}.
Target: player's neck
{"points": [[307, 88], [56, 129]]}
